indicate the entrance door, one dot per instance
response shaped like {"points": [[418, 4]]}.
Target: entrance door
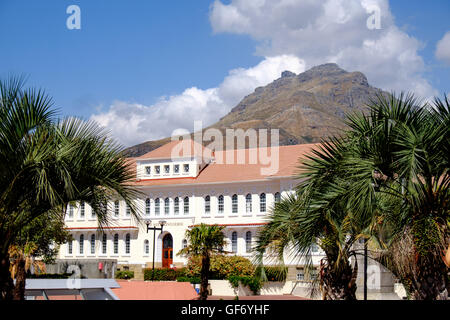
{"points": [[167, 258]]}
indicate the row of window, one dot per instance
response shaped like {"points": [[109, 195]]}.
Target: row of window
{"points": [[181, 205], [167, 169], [127, 249], [104, 242], [207, 204], [248, 242], [176, 206]]}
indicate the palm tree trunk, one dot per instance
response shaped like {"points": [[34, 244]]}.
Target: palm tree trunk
{"points": [[6, 282], [431, 281], [338, 286], [19, 288], [204, 277]]}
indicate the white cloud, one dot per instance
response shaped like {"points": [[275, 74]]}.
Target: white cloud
{"points": [[133, 123], [443, 49], [330, 31], [291, 35]]}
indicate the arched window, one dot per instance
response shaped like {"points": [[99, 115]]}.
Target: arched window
{"points": [[220, 208], [116, 244], [116, 208], [104, 244], [234, 242], [157, 206], [82, 244], [186, 205], [127, 243], [234, 203], [277, 197], [82, 210], [146, 247], [184, 243], [69, 247], [248, 203], [147, 207], [207, 204], [166, 205], [248, 241], [176, 206], [93, 244], [262, 202]]}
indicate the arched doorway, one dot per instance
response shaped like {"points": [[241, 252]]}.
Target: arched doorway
{"points": [[167, 252]]}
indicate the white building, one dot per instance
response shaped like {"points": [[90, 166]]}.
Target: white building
{"points": [[186, 189]]}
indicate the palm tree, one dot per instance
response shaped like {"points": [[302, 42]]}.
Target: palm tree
{"points": [[404, 145], [314, 215], [46, 163], [203, 241], [387, 177]]}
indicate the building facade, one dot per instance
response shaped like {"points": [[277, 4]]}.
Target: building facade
{"points": [[184, 184]]}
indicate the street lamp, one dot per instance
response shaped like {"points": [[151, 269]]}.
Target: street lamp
{"points": [[161, 223]]}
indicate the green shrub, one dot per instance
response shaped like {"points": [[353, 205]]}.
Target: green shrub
{"points": [[253, 283], [222, 267], [192, 280], [125, 274], [164, 274]]}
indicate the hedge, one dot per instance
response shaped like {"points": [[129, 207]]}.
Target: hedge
{"points": [[125, 274], [164, 274], [192, 280]]}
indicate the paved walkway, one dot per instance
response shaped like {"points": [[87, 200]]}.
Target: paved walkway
{"points": [[158, 290]]}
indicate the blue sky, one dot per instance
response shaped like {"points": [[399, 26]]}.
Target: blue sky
{"points": [[125, 50], [142, 53]]}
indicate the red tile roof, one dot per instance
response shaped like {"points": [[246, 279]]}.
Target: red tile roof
{"points": [[221, 171]]}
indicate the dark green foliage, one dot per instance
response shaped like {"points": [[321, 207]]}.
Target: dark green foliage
{"points": [[253, 283], [164, 274], [192, 280], [124, 274]]}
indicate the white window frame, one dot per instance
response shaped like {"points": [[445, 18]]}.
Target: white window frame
{"points": [[220, 204], [248, 203], [186, 205], [207, 208]]}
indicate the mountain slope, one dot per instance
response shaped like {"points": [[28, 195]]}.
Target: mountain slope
{"points": [[304, 107]]}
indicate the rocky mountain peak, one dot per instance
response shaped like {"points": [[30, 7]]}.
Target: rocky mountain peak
{"points": [[287, 74], [304, 107]]}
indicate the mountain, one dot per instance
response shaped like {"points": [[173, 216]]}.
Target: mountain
{"points": [[304, 107]]}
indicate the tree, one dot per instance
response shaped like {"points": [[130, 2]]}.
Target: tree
{"points": [[203, 241], [314, 216], [404, 146], [38, 240], [387, 177], [46, 163]]}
